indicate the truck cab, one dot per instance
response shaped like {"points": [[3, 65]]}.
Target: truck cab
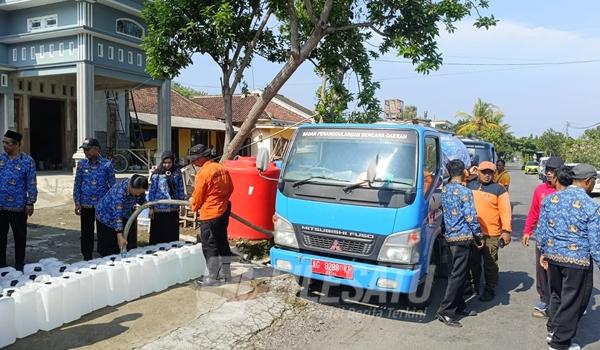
{"points": [[480, 150], [359, 205]]}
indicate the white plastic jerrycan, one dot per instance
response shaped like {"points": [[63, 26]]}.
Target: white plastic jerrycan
{"points": [[56, 269], [11, 279], [35, 268], [49, 261], [8, 333], [86, 288], [71, 296], [99, 286], [25, 298], [198, 263], [160, 260], [184, 264], [5, 270], [117, 283], [49, 303], [133, 274], [149, 274]]}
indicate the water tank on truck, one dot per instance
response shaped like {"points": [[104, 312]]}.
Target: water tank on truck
{"points": [[253, 197]]}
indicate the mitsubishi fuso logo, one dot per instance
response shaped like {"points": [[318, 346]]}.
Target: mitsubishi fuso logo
{"points": [[336, 246]]}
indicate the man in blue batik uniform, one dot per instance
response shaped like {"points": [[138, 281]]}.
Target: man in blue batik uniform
{"points": [[94, 177], [569, 238], [462, 228], [113, 211], [18, 193]]}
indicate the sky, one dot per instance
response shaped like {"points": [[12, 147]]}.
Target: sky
{"points": [[540, 65]]}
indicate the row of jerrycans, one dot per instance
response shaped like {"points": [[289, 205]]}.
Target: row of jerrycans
{"points": [[50, 293]]}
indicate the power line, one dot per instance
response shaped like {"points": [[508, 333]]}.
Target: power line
{"points": [[499, 64], [569, 125]]}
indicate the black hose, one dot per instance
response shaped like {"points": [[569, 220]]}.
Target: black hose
{"points": [[146, 205]]}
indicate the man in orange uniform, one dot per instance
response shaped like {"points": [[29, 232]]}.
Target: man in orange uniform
{"points": [[212, 189], [494, 215]]}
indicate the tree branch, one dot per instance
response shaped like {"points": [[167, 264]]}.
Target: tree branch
{"points": [[250, 50], [376, 31], [294, 35], [311, 12]]}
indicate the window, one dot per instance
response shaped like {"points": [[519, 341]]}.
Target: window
{"points": [[42, 51], [23, 54], [28, 86], [20, 85], [120, 54], [139, 59], [32, 52], [431, 162], [129, 57], [71, 48], [111, 53], [64, 90], [51, 50], [130, 28], [15, 55], [100, 50], [61, 49], [72, 91], [42, 88], [53, 89], [41, 23], [3, 80]]}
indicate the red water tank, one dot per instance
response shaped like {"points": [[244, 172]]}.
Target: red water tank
{"points": [[253, 197]]}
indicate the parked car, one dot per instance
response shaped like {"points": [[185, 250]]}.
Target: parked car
{"points": [[531, 167], [596, 189]]}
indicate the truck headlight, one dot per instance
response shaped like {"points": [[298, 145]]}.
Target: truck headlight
{"points": [[283, 233], [401, 247]]}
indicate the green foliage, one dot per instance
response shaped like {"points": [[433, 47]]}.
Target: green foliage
{"points": [[186, 91], [552, 143], [485, 117], [333, 34], [585, 149], [410, 112], [486, 122]]}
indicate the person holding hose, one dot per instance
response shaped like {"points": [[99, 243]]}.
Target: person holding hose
{"points": [[212, 189], [113, 211]]}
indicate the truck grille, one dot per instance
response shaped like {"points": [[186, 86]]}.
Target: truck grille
{"points": [[358, 247]]}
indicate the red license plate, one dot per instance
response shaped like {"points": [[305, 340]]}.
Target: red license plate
{"points": [[332, 269]]}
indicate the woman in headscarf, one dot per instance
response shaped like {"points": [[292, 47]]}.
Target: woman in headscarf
{"points": [[166, 183]]}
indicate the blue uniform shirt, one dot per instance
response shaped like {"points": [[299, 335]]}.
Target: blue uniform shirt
{"points": [[159, 189], [92, 181], [568, 231], [116, 206], [18, 186], [460, 217]]}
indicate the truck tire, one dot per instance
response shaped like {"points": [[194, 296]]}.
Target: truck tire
{"points": [[421, 298]]}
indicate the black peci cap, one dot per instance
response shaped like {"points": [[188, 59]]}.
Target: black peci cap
{"points": [[89, 143]]}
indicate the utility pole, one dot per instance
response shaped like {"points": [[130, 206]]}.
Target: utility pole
{"points": [[567, 129]]}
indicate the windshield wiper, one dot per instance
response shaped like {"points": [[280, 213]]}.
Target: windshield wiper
{"points": [[354, 185], [358, 184], [309, 179]]}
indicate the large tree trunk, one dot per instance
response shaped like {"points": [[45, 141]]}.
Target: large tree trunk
{"points": [[228, 114], [269, 92]]}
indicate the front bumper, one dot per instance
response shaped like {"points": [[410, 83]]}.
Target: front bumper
{"points": [[365, 276]]}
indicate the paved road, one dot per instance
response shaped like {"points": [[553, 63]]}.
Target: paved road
{"points": [[504, 323]]}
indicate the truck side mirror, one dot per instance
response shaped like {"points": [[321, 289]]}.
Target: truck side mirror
{"points": [[262, 159], [372, 169]]}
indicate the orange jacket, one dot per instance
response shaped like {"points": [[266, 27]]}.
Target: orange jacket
{"points": [[502, 178], [493, 208], [212, 189]]}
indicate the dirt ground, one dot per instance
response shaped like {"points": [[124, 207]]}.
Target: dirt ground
{"points": [[54, 232]]}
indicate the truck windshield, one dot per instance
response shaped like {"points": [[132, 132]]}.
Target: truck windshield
{"points": [[480, 152], [341, 156]]}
